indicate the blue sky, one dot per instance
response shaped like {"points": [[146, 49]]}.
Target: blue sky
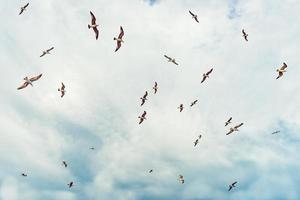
{"points": [[39, 129]]}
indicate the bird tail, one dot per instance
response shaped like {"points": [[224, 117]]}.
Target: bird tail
{"points": [[89, 26]]}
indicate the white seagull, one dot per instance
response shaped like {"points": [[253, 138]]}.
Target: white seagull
{"points": [[47, 51], [28, 81]]}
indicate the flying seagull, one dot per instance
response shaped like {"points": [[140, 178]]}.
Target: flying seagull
{"points": [[23, 174], [65, 163], [47, 51], [28, 81], [194, 16], [181, 179], [193, 103], [23, 8], [232, 185], [231, 130], [155, 87], [228, 121], [144, 98], [281, 70], [93, 25], [275, 132], [180, 107], [151, 170], [92, 148], [196, 142], [62, 90], [119, 39], [142, 117], [206, 75], [70, 184], [171, 59], [245, 35]]}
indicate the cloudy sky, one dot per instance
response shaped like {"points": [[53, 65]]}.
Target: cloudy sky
{"points": [[39, 129]]}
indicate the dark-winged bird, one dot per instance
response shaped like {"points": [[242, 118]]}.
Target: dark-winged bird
{"points": [[181, 179], [70, 184], [151, 170], [228, 121], [47, 51], [23, 8], [194, 16], [28, 81], [232, 185], [62, 90], [281, 70], [206, 75], [275, 132], [144, 98], [245, 35], [180, 107], [232, 129], [142, 117], [23, 174], [65, 163], [193, 103], [119, 39], [94, 25], [155, 87], [171, 59]]}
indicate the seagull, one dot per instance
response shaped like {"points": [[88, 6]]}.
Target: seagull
{"points": [[94, 25], [144, 98], [92, 148], [231, 130], [194, 102], [196, 142], [155, 87], [142, 117], [228, 121], [281, 70], [62, 90], [23, 8], [70, 184], [151, 170], [275, 132], [47, 51], [206, 75], [245, 35], [171, 59], [119, 39], [194, 16], [28, 81], [232, 185], [23, 174], [181, 179], [65, 164], [180, 107]]}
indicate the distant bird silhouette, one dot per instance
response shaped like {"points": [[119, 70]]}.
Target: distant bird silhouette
{"points": [[142, 117], [62, 90], [232, 185], [23, 8], [281, 70], [70, 184], [151, 170], [245, 35], [180, 107], [206, 75], [23, 174], [119, 39], [47, 51], [65, 163], [144, 98], [171, 59], [92, 148], [28, 81], [155, 87], [193, 103], [231, 130], [228, 121], [93, 25], [196, 142], [194, 16], [181, 179], [275, 132]]}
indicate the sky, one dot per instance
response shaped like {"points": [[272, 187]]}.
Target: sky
{"points": [[102, 103]]}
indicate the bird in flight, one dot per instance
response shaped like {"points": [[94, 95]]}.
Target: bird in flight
{"points": [[23, 174], [23, 8], [171, 59], [93, 25], [142, 117], [281, 70], [180, 107], [151, 170], [181, 179], [228, 121], [155, 87], [28, 81], [197, 140], [119, 39], [232, 129], [47, 51], [62, 90], [92, 148], [144, 98], [70, 184], [193, 103], [194, 16], [65, 163], [206, 75], [245, 35], [275, 132], [232, 185]]}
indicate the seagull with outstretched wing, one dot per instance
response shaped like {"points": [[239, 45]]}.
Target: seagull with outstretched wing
{"points": [[47, 51], [28, 81], [70, 184], [23, 8], [155, 87], [181, 179], [144, 98], [206, 75], [245, 35], [64, 163], [232, 185], [194, 102], [142, 117], [180, 108], [228, 121], [171, 59], [119, 39], [281, 70], [194, 16], [23, 174], [94, 25], [62, 89]]}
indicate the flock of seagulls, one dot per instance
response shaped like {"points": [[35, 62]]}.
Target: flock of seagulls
{"points": [[119, 40]]}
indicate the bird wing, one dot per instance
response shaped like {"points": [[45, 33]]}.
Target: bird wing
{"points": [[50, 49], [230, 131], [191, 13], [284, 66], [207, 73], [229, 119], [241, 124], [243, 31], [203, 79], [93, 18], [234, 183], [118, 46], [279, 75], [25, 84], [175, 62], [155, 84], [230, 187], [21, 12], [26, 5], [96, 32], [144, 114], [62, 86], [43, 54], [145, 95], [167, 57], [121, 32], [36, 78], [196, 18]]}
